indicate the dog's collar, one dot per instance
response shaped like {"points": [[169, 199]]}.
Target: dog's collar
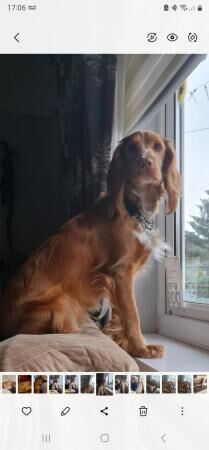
{"points": [[137, 215]]}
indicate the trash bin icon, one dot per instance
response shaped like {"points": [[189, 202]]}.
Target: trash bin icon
{"points": [[143, 411]]}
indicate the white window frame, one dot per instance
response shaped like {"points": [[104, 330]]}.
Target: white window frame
{"points": [[189, 323], [196, 311]]}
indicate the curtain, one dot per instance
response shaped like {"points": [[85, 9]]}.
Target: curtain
{"points": [[55, 145], [149, 81], [86, 93]]}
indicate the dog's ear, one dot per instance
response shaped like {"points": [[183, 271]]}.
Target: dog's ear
{"points": [[122, 168], [171, 177]]}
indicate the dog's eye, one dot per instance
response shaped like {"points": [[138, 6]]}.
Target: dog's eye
{"points": [[157, 146]]}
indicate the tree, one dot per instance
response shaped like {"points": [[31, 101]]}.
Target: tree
{"points": [[197, 252], [197, 241]]}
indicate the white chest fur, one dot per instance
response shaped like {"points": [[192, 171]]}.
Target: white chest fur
{"points": [[152, 241]]}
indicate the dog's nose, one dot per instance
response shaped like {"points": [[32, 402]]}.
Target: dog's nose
{"points": [[146, 163]]}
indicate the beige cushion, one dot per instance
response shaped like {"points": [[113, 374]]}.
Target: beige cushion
{"points": [[84, 351]]}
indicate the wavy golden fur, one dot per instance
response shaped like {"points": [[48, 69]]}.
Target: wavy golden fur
{"points": [[97, 254]]}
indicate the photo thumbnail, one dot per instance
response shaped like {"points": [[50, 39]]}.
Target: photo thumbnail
{"points": [[55, 384], [121, 384], [153, 384], [87, 384], [184, 384], [104, 384], [137, 384], [9, 384], [71, 384], [200, 383], [40, 384]]}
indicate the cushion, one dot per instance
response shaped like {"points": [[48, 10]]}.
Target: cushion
{"points": [[87, 350]]}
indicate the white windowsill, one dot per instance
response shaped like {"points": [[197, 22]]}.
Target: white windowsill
{"points": [[179, 357]]}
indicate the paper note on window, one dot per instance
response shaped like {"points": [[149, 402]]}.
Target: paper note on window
{"points": [[174, 282]]}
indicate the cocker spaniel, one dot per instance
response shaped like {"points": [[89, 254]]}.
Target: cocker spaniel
{"points": [[96, 255]]}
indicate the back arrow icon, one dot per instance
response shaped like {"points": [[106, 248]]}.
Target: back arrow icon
{"points": [[15, 37], [163, 438]]}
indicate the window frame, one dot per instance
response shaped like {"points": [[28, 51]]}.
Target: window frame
{"points": [[199, 311], [190, 322]]}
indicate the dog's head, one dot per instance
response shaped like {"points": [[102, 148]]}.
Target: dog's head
{"points": [[144, 165]]}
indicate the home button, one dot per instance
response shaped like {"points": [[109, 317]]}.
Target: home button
{"points": [[104, 438]]}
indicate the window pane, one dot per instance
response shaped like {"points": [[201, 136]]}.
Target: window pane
{"points": [[196, 186]]}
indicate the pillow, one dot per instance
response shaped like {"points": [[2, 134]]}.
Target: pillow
{"points": [[87, 350]]}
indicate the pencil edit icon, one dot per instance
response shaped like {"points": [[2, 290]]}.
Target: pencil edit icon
{"points": [[65, 411]]}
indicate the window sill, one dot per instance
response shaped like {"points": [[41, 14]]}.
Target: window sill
{"points": [[179, 357]]}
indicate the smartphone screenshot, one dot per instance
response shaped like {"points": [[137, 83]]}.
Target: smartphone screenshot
{"points": [[104, 225]]}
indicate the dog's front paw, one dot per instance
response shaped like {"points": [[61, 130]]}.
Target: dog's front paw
{"points": [[150, 351]]}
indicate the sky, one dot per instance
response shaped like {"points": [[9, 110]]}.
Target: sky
{"points": [[196, 143]]}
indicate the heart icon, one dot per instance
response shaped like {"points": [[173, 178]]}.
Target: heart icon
{"points": [[26, 410]]}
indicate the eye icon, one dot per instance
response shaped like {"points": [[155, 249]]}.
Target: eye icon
{"points": [[172, 37]]}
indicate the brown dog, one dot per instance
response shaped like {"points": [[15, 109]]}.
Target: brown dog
{"points": [[97, 254]]}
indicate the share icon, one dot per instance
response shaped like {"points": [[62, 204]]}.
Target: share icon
{"points": [[104, 411]]}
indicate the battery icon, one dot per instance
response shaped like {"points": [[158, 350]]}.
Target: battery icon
{"points": [[199, 8]]}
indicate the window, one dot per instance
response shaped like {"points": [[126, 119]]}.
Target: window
{"points": [[194, 129], [186, 118]]}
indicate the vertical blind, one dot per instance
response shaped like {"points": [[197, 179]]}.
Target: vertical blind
{"points": [[144, 83]]}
